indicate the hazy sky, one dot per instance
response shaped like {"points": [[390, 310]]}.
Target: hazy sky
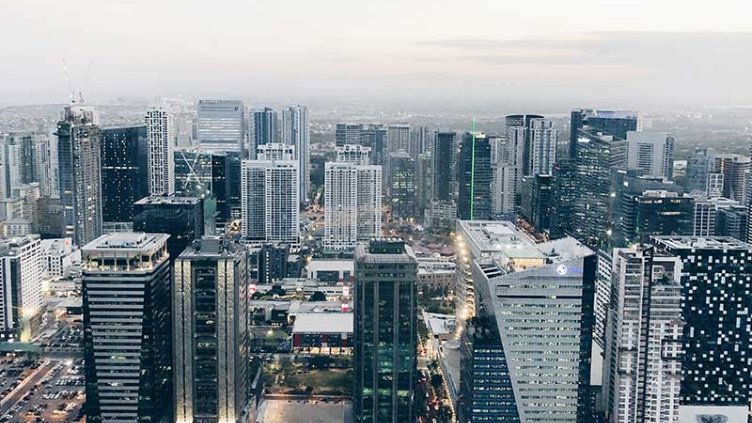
{"points": [[436, 52]]}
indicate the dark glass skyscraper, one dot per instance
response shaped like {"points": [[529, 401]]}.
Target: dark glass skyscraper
{"points": [[616, 123], [180, 217], [443, 157], [127, 343], [474, 178], [124, 171], [402, 184], [385, 332], [265, 128]]}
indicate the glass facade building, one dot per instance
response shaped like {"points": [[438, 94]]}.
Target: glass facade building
{"points": [[125, 177], [474, 176], [180, 217], [385, 358]]}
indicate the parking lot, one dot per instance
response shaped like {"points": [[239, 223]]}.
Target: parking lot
{"points": [[47, 390]]}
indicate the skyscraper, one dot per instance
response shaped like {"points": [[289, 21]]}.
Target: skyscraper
{"points": [[506, 169], [642, 362], [402, 184], [716, 345], [525, 352], [651, 152], [347, 133], [474, 177], [265, 128], [79, 152], [398, 137], [127, 342], [608, 122], [352, 204], [296, 131], [733, 167], [535, 139], [21, 305], [160, 133], [443, 155], [220, 125], [210, 332], [270, 201], [22, 158], [124, 171], [374, 137], [180, 217], [385, 358]]}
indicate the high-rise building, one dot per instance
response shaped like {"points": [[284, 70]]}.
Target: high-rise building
{"points": [[220, 125], [374, 137], [352, 204], [385, 358], [535, 138], [536, 193], [642, 362], [127, 341], [160, 133], [272, 260], [716, 345], [444, 174], [124, 171], [608, 122], [23, 158], [270, 201], [652, 153], [265, 128], [402, 185], [474, 177], [597, 154], [347, 133], [79, 158], [733, 167], [21, 305], [525, 353], [210, 332], [506, 166], [180, 217], [296, 131], [398, 137], [698, 166], [423, 182], [564, 198], [275, 151]]}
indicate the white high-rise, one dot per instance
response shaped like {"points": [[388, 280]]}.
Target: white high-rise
{"points": [[542, 139], [642, 362], [20, 288], [270, 201], [296, 131], [651, 152], [160, 135], [506, 160], [352, 193]]}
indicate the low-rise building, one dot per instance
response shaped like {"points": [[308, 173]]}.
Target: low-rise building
{"points": [[323, 333]]}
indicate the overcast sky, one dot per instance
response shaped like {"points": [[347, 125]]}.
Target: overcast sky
{"points": [[457, 53]]}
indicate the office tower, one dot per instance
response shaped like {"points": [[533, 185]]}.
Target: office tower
{"points": [[127, 341], [716, 343], [420, 141], [374, 137], [21, 304], [402, 185], [642, 362], [474, 177], [23, 158], [79, 158], [180, 217], [398, 137], [536, 139], [193, 173], [697, 170], [525, 353], [352, 203], [210, 332], [714, 187], [506, 166], [652, 153], [732, 221], [270, 202], [160, 133], [385, 358], [614, 123], [124, 171], [564, 198], [353, 153], [347, 133], [536, 194], [265, 127], [596, 155], [220, 125], [296, 131], [423, 182], [733, 168], [272, 260], [444, 174], [643, 206]]}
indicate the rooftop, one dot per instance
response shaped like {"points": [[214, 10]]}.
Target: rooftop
{"points": [[127, 242], [323, 323], [167, 200], [709, 243]]}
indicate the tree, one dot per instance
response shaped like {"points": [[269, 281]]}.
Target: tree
{"points": [[436, 380], [317, 296]]}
